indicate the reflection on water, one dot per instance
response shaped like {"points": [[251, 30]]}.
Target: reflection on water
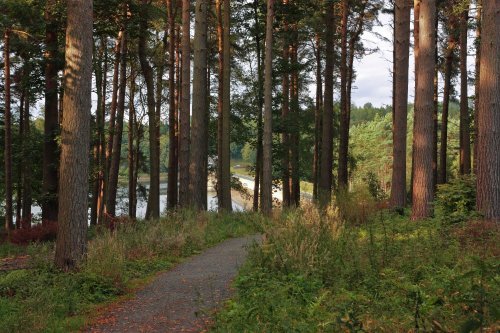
{"points": [[122, 203]]}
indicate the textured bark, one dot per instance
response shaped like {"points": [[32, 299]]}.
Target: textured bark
{"points": [[75, 136], [416, 33], [132, 156], [8, 134], [424, 108], [260, 103], [223, 107], [344, 121], [294, 122], [476, 83], [443, 156], [400, 115], [326, 164], [118, 132], [26, 185], [184, 116], [318, 112], [153, 208], [225, 202], [285, 110], [102, 136], [51, 123], [267, 176], [465, 154], [488, 158], [199, 124], [173, 147]]}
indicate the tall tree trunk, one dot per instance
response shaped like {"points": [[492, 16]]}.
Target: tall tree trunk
{"points": [[424, 124], [153, 208], [198, 149], [99, 132], [442, 176], [225, 202], [401, 67], [285, 110], [465, 156], [118, 131], [477, 79], [294, 123], [172, 114], [326, 164], [112, 122], [20, 170], [184, 117], [132, 135], [416, 52], [488, 158], [260, 104], [435, 112], [267, 165], [51, 123], [75, 136], [318, 112], [27, 198], [9, 224], [344, 121], [102, 137]]}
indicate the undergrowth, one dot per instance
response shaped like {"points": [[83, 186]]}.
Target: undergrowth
{"points": [[374, 271], [43, 299]]}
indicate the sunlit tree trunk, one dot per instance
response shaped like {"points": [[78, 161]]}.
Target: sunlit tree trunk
{"points": [[75, 136], [488, 122], [424, 108]]}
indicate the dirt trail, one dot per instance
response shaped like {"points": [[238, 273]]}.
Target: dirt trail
{"points": [[182, 299]]}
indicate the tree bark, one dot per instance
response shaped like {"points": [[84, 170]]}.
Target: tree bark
{"points": [[51, 123], [132, 136], [424, 108], [477, 79], [267, 176], [488, 158], [326, 164], [75, 136], [9, 224], [184, 117], [172, 197], [401, 67], [449, 59], [294, 122], [285, 111], [260, 103], [27, 165], [465, 155], [199, 128], [344, 131], [153, 208], [317, 116], [118, 131]]}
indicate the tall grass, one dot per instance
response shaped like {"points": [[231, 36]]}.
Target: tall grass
{"points": [[43, 299], [359, 272]]}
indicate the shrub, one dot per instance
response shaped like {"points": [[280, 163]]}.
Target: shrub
{"points": [[456, 201], [41, 232]]}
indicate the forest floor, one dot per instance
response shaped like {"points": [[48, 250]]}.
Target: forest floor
{"points": [[182, 299]]}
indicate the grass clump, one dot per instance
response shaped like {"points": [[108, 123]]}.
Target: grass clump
{"points": [[317, 273], [43, 299]]}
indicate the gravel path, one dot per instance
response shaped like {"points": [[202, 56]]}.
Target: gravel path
{"points": [[182, 299]]}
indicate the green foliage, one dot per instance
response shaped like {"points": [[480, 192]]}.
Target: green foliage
{"points": [[456, 201], [43, 299], [248, 153], [314, 273]]}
